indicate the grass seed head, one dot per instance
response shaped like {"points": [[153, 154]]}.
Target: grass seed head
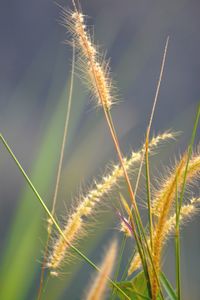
{"points": [[94, 69], [187, 212], [76, 226]]}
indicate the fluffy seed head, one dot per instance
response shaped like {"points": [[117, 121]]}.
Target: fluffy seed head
{"points": [[187, 212], [75, 226], [168, 185], [94, 68], [60, 247], [98, 286], [165, 204]]}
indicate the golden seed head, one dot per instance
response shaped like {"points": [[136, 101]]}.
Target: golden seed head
{"points": [[187, 211], [73, 230], [59, 249], [92, 64]]}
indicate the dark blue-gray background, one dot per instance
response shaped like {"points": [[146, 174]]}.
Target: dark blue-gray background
{"points": [[34, 68]]}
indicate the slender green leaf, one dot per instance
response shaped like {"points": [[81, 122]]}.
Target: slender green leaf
{"points": [[136, 289], [168, 288]]}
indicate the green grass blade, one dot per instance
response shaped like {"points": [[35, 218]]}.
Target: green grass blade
{"points": [[177, 248], [179, 205], [190, 148], [147, 167], [167, 286]]}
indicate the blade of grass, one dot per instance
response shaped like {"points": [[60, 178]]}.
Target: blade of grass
{"points": [[50, 215], [179, 205], [65, 133], [148, 190], [177, 248], [190, 147], [167, 286]]}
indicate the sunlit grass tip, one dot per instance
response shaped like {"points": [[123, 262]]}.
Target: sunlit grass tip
{"points": [[93, 67], [187, 212], [165, 203], [168, 184]]}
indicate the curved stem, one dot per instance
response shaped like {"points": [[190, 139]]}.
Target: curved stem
{"points": [[58, 174]]}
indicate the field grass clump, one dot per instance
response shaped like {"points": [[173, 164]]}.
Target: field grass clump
{"points": [[168, 207]]}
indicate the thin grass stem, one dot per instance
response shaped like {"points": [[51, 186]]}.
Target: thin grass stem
{"points": [[177, 248], [148, 191], [58, 173], [179, 205], [65, 133], [190, 148], [147, 138]]}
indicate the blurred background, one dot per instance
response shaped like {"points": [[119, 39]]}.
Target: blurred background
{"points": [[35, 67]]}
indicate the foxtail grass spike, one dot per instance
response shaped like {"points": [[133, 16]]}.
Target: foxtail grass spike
{"points": [[93, 67], [75, 225], [187, 212]]}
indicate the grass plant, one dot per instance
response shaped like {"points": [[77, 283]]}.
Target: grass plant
{"points": [[167, 204]]}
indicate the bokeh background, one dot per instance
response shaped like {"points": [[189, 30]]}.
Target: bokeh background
{"points": [[35, 68]]}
